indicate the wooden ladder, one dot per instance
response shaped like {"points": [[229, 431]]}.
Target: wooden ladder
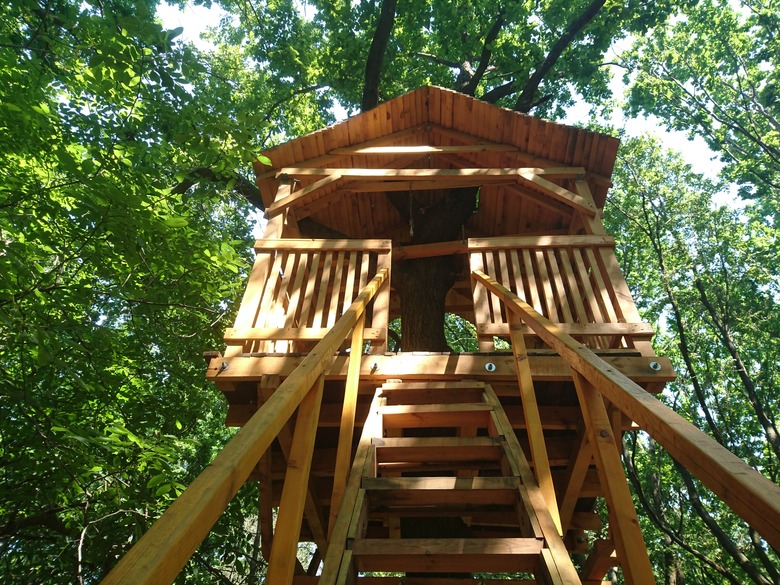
{"points": [[441, 488]]}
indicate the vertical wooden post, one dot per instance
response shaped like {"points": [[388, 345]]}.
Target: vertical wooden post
{"points": [[533, 421], [623, 520], [346, 430], [296, 482]]}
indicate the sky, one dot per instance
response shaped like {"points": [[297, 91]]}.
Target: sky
{"points": [[196, 19]]}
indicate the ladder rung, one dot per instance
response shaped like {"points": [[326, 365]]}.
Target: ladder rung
{"points": [[494, 555], [442, 491], [436, 449], [435, 415]]}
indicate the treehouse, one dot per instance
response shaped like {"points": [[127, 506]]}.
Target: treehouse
{"points": [[438, 466]]}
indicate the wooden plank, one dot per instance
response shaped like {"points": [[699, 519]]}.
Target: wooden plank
{"points": [[428, 149], [533, 422], [297, 196], [527, 174], [334, 308], [601, 288], [428, 492], [363, 460], [430, 250], [294, 306], [317, 245], [481, 301], [530, 277], [493, 555], [579, 316], [547, 297], [281, 566], [320, 316], [623, 520], [347, 426], [585, 288], [428, 449], [312, 511], [403, 416], [755, 498], [312, 283], [638, 330], [165, 548], [378, 368], [561, 298], [559, 193]]}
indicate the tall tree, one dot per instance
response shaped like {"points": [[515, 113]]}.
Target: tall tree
{"points": [[707, 273]]}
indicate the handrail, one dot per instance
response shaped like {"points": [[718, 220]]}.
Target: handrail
{"points": [[751, 495], [165, 548]]}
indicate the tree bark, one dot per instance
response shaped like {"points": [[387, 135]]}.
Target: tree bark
{"points": [[422, 284], [376, 54]]}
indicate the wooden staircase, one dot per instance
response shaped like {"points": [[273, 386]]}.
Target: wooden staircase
{"points": [[442, 489]]}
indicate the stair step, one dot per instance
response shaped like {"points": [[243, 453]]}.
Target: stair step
{"points": [[404, 416], [441, 491], [433, 449], [432, 392], [453, 555]]}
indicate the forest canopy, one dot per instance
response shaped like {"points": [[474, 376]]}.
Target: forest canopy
{"points": [[126, 197]]}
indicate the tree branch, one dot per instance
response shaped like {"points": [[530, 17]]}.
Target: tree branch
{"points": [[241, 185], [526, 100], [376, 54], [484, 60]]}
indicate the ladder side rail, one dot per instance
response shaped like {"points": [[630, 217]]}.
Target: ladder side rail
{"points": [[167, 546], [751, 495]]}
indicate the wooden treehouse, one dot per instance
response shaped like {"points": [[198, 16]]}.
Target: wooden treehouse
{"points": [[441, 466]]}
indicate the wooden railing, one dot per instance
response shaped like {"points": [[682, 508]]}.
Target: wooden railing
{"points": [[751, 495], [299, 288], [570, 280], [164, 550]]}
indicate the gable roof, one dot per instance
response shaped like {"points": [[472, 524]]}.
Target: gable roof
{"points": [[436, 128]]}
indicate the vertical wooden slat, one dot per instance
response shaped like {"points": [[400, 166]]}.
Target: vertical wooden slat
{"points": [[561, 298], [322, 290], [333, 311], [493, 303], [587, 290], [531, 278], [480, 295], [294, 306], [349, 287], [601, 288], [548, 299], [344, 449], [574, 293], [381, 315], [310, 296]]}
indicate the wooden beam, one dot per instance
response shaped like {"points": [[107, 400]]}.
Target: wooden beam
{"points": [[534, 428], [237, 335], [450, 554], [432, 185], [424, 149], [165, 548], [520, 241], [751, 495], [266, 388], [380, 246], [532, 174], [576, 472], [623, 520], [281, 205], [281, 566], [430, 250], [557, 192], [347, 424], [411, 366], [636, 330], [523, 156]]}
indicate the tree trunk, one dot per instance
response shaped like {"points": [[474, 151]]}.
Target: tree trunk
{"points": [[422, 284]]}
